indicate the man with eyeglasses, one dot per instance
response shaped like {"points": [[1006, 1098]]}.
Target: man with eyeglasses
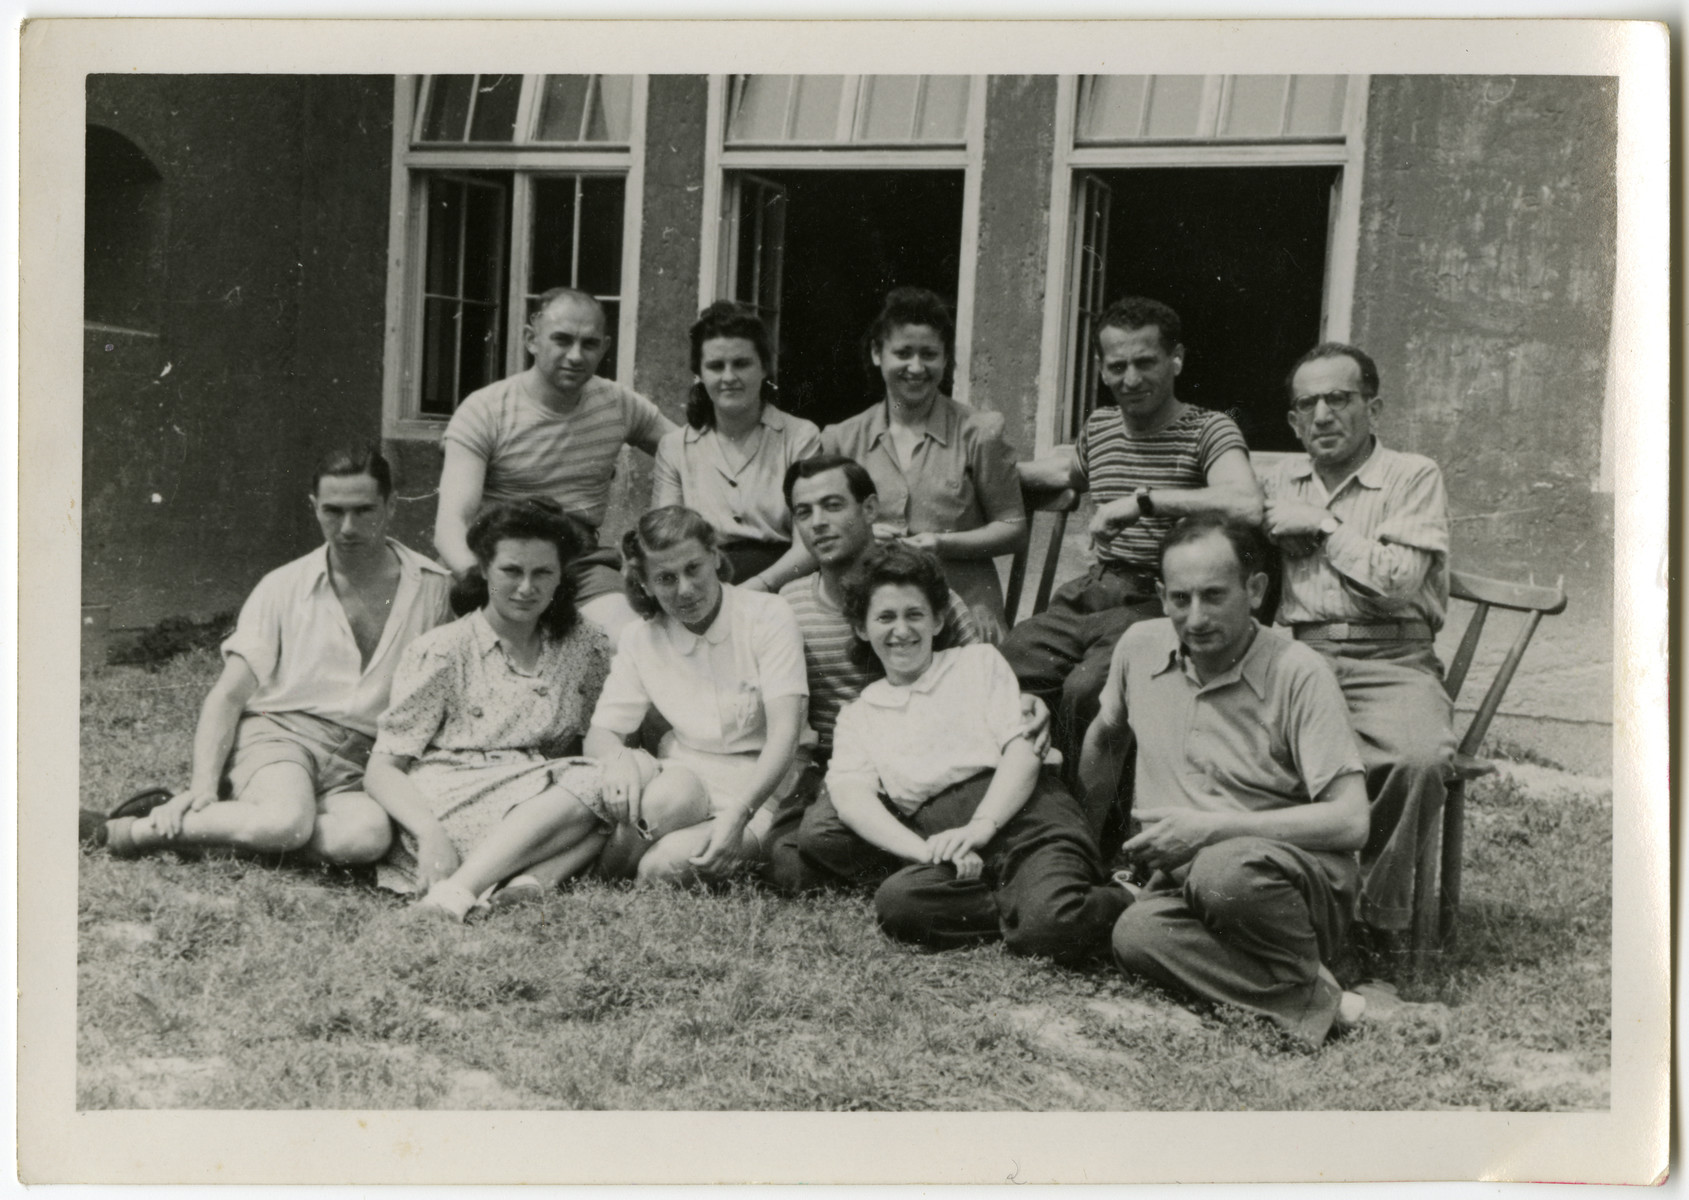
{"points": [[1364, 534]]}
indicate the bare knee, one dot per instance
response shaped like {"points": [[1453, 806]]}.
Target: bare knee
{"points": [[674, 800], [351, 829], [274, 827], [666, 864]]}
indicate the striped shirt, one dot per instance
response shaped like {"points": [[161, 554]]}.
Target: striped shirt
{"points": [[1389, 557], [531, 451], [1114, 463], [834, 679]]}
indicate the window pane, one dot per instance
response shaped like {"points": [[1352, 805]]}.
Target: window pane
{"points": [[944, 116], [445, 216], [1114, 107], [495, 108], [482, 357], [560, 108], [1316, 103], [439, 357], [817, 118], [1257, 106], [448, 108], [761, 112], [612, 322], [1175, 101], [554, 234], [889, 101], [615, 98], [601, 234], [483, 248]]}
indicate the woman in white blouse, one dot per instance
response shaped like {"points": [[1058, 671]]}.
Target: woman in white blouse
{"points": [[724, 667], [727, 462], [476, 758]]}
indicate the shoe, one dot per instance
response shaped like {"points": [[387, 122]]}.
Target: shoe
{"points": [[142, 802], [524, 889], [449, 899], [120, 837], [1351, 1008]]}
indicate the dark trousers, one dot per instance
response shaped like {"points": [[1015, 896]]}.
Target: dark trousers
{"points": [[1062, 654], [1043, 889]]}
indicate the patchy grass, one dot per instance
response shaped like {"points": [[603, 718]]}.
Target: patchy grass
{"points": [[248, 984]]}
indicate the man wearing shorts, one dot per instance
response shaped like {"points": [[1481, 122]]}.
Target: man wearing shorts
{"points": [[554, 430], [288, 726]]}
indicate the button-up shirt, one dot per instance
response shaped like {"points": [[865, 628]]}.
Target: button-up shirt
{"points": [[910, 742], [1387, 559], [294, 634], [744, 503], [1270, 732], [711, 686]]}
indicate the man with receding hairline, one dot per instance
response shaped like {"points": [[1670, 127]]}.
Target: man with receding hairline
{"points": [[554, 430]]}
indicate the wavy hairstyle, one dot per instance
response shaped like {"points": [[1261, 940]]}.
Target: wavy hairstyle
{"points": [[911, 306], [1139, 312], [664, 529], [359, 458], [537, 518], [892, 564], [725, 319]]}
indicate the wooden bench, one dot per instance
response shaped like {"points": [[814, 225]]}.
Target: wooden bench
{"points": [[1059, 505]]}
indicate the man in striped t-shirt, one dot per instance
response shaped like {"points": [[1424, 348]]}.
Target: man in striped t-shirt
{"points": [[1147, 460], [1364, 531], [554, 430]]}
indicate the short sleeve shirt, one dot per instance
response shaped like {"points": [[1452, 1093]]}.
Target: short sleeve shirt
{"points": [[1114, 463], [834, 677], [746, 503], [456, 691], [912, 742], [531, 451], [294, 634], [1271, 732], [711, 687]]}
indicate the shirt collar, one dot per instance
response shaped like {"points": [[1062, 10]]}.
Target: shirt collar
{"points": [[771, 418], [481, 633], [1370, 475], [942, 422], [1251, 668], [883, 693], [686, 641]]}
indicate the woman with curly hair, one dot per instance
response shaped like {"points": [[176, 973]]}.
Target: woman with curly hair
{"points": [[477, 757]]}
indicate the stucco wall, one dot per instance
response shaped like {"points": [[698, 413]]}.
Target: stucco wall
{"points": [[1014, 234], [198, 441]]}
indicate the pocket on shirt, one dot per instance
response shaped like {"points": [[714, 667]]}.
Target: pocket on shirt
{"points": [[744, 713]]}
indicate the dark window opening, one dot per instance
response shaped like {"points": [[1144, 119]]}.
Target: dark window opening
{"points": [[123, 234]]}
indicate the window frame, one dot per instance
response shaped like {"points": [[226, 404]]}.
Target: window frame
{"points": [[414, 161], [1345, 151]]}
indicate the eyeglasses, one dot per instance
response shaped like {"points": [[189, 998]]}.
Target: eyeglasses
{"points": [[1335, 401]]}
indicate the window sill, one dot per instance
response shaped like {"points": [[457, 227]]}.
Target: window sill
{"points": [[415, 429]]}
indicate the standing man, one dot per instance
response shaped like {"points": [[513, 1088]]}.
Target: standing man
{"points": [[288, 726], [1146, 460], [1248, 787], [1364, 531], [553, 430]]}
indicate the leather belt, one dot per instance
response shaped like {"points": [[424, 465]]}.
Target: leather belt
{"points": [[1141, 578], [1353, 631]]}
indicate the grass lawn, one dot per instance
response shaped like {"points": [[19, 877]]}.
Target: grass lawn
{"points": [[246, 984]]}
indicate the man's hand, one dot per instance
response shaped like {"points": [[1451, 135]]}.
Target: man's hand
{"points": [[969, 866], [167, 817], [1171, 836], [436, 858], [987, 625], [1112, 518], [921, 541], [726, 841], [951, 845], [1035, 723], [1287, 517]]}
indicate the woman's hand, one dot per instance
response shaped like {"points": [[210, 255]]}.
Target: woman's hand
{"points": [[1035, 723], [624, 782], [969, 866], [726, 839], [436, 857], [950, 845], [987, 624], [929, 542]]}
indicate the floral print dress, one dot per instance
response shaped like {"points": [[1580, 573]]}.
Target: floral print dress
{"points": [[485, 736]]}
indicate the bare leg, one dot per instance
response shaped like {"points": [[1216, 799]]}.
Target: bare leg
{"points": [[669, 858], [674, 800], [609, 612], [274, 814], [554, 870], [547, 825], [351, 828]]}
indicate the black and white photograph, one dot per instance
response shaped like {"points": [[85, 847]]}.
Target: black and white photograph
{"points": [[1027, 603]]}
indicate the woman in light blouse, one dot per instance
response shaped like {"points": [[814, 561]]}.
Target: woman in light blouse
{"points": [[728, 460], [945, 476]]}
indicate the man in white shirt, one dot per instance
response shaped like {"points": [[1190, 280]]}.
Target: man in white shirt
{"points": [[288, 726]]}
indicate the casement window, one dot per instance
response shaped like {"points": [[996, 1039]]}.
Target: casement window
{"points": [[504, 186], [1233, 198]]}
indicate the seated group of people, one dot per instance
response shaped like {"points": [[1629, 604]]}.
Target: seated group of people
{"points": [[847, 707]]}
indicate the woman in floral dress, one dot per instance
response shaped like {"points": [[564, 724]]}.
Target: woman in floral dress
{"points": [[476, 759]]}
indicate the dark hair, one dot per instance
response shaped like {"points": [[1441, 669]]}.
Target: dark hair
{"points": [[1246, 543], [552, 295], [540, 519], [724, 319], [891, 564], [912, 306], [360, 458], [856, 475], [1363, 360], [664, 529], [1139, 312]]}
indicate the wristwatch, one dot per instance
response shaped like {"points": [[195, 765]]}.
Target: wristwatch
{"points": [[1328, 526], [1146, 505]]}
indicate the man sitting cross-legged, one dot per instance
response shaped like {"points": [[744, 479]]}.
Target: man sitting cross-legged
{"points": [[1248, 786], [288, 726]]}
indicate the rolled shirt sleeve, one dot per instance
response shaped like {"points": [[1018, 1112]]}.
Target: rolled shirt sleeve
{"points": [[623, 703], [1393, 563], [258, 631], [851, 762]]}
